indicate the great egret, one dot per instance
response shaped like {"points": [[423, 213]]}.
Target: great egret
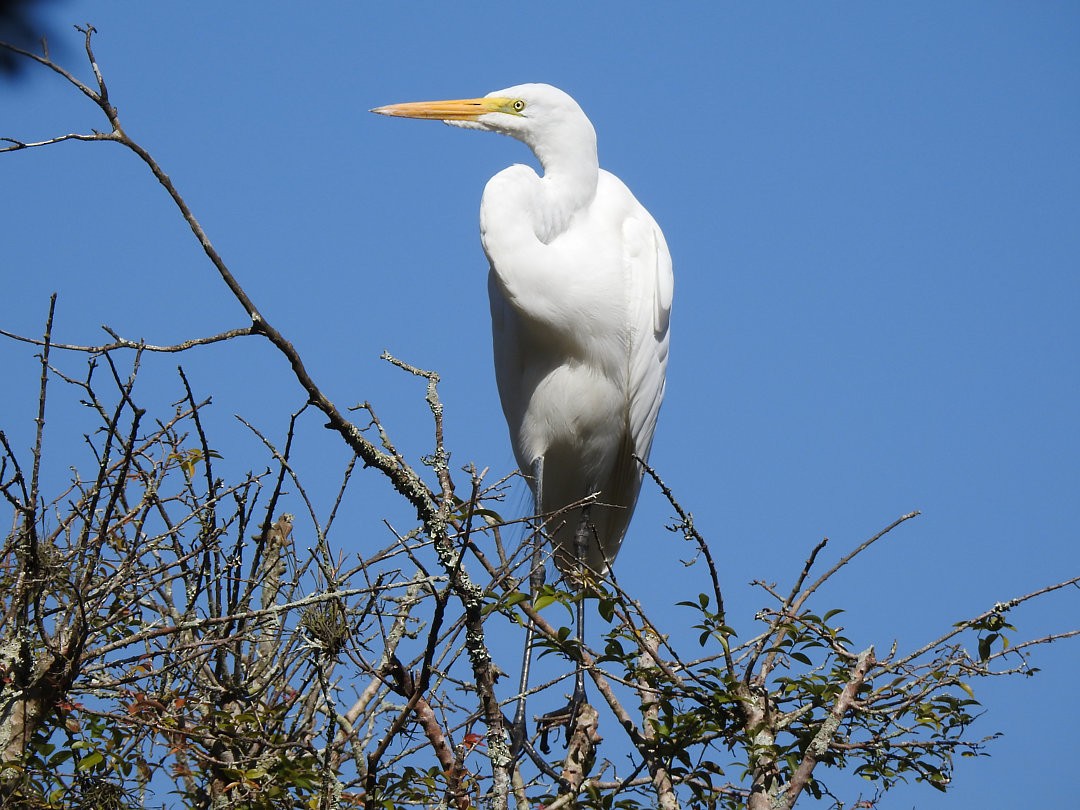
{"points": [[580, 289]]}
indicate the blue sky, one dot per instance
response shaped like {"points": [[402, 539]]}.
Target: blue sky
{"points": [[872, 211]]}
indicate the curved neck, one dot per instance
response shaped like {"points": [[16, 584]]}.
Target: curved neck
{"points": [[571, 172]]}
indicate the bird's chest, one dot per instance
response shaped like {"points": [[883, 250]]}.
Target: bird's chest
{"points": [[563, 354], [569, 296]]}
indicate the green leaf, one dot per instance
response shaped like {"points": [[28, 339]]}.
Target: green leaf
{"points": [[606, 609], [614, 649], [543, 600], [91, 760], [516, 598], [59, 758]]}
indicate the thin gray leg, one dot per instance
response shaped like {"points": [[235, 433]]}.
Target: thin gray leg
{"points": [[536, 581], [568, 714], [581, 537]]}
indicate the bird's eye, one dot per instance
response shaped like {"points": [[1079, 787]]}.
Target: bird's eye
{"points": [[518, 105]]}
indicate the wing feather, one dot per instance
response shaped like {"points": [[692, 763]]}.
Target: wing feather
{"points": [[651, 287]]}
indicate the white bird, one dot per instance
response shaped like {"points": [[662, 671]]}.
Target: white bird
{"points": [[580, 289]]}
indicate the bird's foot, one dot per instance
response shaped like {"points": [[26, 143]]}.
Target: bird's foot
{"points": [[566, 716]]}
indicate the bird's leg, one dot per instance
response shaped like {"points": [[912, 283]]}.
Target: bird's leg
{"points": [[568, 715], [581, 538], [536, 582]]}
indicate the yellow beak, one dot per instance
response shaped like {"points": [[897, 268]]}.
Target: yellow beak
{"points": [[465, 109]]}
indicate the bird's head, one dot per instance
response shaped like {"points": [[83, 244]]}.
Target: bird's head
{"points": [[537, 114]]}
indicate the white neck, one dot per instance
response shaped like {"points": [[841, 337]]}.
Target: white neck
{"points": [[571, 172]]}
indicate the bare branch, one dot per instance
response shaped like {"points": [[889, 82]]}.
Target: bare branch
{"points": [[124, 343], [650, 720], [826, 733]]}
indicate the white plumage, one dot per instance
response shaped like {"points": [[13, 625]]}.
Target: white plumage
{"points": [[580, 289]]}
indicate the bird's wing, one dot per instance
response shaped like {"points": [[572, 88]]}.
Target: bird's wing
{"points": [[650, 285], [506, 343]]}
